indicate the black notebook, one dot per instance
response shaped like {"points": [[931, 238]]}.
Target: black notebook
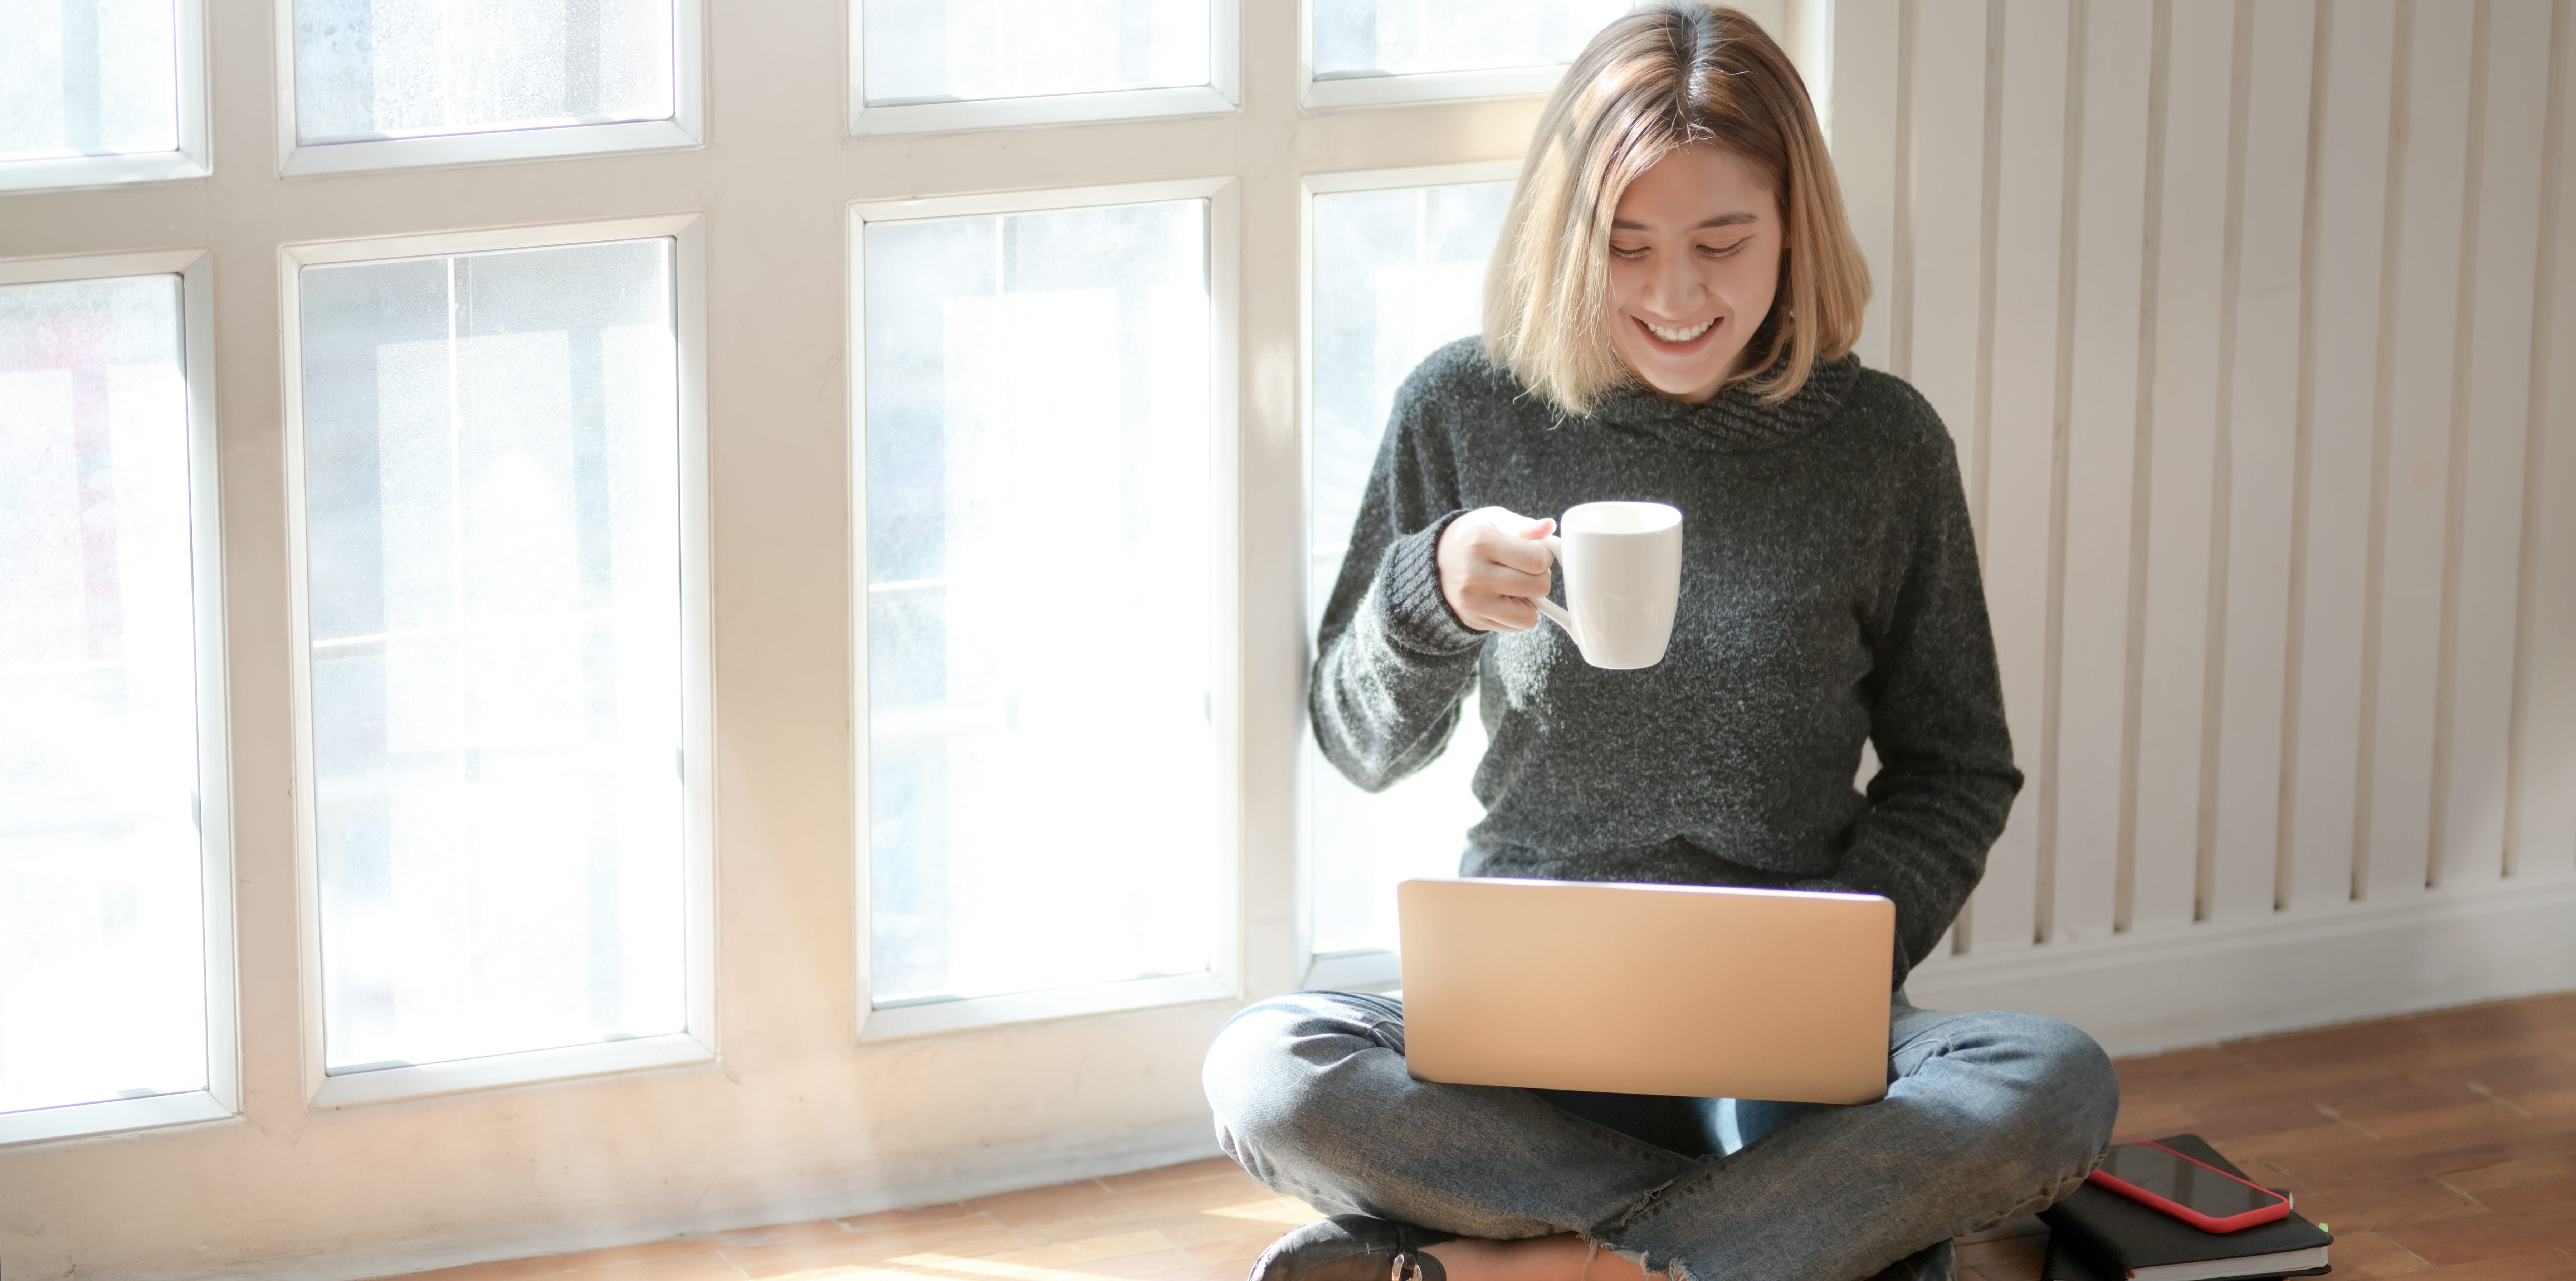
{"points": [[2098, 1235]]}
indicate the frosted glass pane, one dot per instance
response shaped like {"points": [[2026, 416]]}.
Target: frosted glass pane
{"points": [[87, 78], [102, 944], [413, 68], [1402, 37], [954, 50], [491, 496], [1040, 761], [1396, 274]]}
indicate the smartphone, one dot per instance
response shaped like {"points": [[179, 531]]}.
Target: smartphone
{"points": [[2204, 1196]]}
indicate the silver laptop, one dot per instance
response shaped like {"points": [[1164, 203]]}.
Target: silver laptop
{"points": [[1647, 989]]}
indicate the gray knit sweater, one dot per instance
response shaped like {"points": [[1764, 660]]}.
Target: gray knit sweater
{"points": [[1829, 596]]}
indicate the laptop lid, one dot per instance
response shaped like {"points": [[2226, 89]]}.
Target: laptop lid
{"points": [[1703, 992]]}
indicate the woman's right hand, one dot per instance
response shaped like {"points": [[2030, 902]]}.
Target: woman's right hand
{"points": [[1491, 563]]}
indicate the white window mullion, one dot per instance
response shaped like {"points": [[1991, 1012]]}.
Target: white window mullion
{"points": [[102, 92], [115, 817], [938, 65], [496, 467], [1368, 53], [1048, 769], [1394, 268], [458, 82]]}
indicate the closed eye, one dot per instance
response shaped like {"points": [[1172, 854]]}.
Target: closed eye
{"points": [[1726, 251]]}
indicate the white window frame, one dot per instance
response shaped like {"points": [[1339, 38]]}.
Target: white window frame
{"points": [[685, 128], [190, 160], [221, 1098], [1424, 86], [1221, 981], [1399, 90], [1803, 27], [1366, 968], [1222, 93], [696, 1043]]}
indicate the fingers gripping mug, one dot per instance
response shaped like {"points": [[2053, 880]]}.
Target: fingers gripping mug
{"points": [[1623, 575]]}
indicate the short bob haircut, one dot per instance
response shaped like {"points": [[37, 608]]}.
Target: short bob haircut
{"points": [[1661, 77]]}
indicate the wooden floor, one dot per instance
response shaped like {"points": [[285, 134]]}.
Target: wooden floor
{"points": [[2442, 1144]]}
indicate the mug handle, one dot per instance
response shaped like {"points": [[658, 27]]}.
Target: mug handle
{"points": [[1556, 613]]}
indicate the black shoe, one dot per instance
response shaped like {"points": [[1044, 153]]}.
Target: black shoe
{"points": [[1352, 1247]]}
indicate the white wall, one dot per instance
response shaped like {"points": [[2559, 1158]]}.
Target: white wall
{"points": [[2256, 326]]}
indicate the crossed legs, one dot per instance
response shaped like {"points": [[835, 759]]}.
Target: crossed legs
{"points": [[1987, 1116]]}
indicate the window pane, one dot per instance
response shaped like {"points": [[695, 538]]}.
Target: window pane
{"points": [[491, 500], [1402, 37], [87, 78], [953, 50], [1039, 749], [1396, 274], [102, 944], [413, 68]]}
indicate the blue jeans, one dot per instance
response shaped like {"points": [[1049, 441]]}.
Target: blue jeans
{"points": [[1987, 1116]]}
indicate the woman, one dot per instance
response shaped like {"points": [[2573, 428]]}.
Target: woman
{"points": [[1669, 316]]}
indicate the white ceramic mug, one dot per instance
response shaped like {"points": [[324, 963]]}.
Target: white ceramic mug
{"points": [[1623, 576]]}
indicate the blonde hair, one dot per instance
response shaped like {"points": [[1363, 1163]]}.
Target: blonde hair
{"points": [[1658, 78]]}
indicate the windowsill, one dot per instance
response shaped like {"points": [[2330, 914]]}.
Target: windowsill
{"points": [[111, 1116], [599, 1058], [99, 171], [486, 148], [1056, 109], [1432, 86], [1056, 1003], [1357, 970]]}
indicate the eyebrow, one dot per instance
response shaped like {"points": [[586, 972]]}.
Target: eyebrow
{"points": [[1722, 220]]}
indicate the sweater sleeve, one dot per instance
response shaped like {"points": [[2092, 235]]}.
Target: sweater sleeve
{"points": [[1946, 779], [1392, 661]]}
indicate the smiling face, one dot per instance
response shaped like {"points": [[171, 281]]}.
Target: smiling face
{"points": [[1694, 261]]}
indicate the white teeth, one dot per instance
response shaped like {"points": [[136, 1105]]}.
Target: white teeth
{"points": [[1678, 335]]}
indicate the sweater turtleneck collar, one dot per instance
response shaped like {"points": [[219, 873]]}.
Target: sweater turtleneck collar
{"points": [[1736, 420]]}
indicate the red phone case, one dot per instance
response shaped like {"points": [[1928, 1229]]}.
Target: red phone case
{"points": [[2279, 1209]]}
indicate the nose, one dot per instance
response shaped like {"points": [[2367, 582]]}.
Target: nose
{"points": [[1674, 289]]}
